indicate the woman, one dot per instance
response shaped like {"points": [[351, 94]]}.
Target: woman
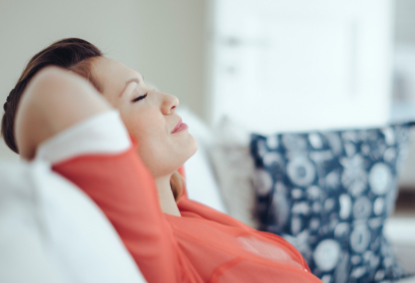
{"points": [[171, 238]]}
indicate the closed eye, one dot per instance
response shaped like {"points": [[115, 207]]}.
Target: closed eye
{"points": [[139, 98]]}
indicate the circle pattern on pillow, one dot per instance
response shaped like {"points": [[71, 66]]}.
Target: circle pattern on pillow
{"points": [[329, 194]]}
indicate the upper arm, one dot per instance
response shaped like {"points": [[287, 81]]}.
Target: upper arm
{"points": [[54, 100]]}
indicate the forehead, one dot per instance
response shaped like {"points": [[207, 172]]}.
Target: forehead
{"points": [[111, 75]]}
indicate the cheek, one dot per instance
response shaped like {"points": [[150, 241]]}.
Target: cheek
{"points": [[154, 151], [143, 132], [135, 122], [150, 135]]}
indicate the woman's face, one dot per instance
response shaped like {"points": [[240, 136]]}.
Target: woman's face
{"points": [[149, 116]]}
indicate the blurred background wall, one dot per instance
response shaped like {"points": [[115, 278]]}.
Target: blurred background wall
{"points": [[303, 65], [170, 42], [164, 40]]}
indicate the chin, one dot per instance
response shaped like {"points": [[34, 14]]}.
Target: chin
{"points": [[191, 149]]}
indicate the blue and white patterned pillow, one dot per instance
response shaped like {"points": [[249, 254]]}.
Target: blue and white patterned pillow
{"points": [[329, 194]]}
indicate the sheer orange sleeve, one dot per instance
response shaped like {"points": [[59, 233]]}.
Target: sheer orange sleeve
{"points": [[125, 191]]}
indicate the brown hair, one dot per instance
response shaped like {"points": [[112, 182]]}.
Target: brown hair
{"points": [[73, 54], [176, 184]]}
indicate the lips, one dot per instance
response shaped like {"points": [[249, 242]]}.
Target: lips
{"points": [[179, 127]]}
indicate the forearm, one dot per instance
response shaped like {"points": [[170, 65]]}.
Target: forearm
{"points": [[54, 100]]}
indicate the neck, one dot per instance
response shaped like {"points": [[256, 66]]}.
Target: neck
{"points": [[166, 197]]}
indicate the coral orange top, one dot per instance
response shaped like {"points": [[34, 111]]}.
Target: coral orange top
{"points": [[203, 245]]}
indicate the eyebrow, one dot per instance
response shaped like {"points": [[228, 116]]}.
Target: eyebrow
{"points": [[127, 83]]}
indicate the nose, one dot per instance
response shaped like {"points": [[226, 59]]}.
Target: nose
{"points": [[170, 103]]}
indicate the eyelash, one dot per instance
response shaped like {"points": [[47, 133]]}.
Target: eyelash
{"points": [[139, 98]]}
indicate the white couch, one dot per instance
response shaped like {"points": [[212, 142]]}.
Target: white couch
{"points": [[51, 232]]}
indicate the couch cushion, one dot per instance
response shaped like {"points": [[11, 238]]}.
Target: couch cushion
{"points": [[52, 232], [329, 194]]}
